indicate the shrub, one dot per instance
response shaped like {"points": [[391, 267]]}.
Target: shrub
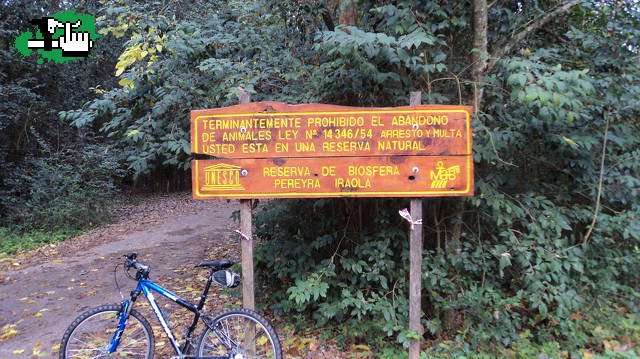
{"points": [[69, 189]]}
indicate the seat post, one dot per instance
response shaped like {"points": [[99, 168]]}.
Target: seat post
{"points": [[205, 292]]}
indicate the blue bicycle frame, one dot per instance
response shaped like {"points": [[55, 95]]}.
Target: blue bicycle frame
{"points": [[148, 287]]}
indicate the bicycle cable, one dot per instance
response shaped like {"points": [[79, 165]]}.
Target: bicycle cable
{"points": [[115, 278], [126, 272]]}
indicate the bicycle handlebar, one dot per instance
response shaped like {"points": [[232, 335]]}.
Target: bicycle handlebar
{"points": [[131, 262]]}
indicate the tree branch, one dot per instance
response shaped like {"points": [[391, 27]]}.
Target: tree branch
{"points": [[535, 25], [599, 194]]}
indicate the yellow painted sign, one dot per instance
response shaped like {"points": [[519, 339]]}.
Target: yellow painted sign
{"points": [[275, 150]]}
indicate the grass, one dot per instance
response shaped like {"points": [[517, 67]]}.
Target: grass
{"points": [[12, 241]]}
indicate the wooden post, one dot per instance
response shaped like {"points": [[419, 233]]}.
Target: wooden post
{"points": [[415, 262], [248, 299]]}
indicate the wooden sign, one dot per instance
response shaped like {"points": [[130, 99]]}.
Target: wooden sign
{"points": [[387, 176], [277, 130]]}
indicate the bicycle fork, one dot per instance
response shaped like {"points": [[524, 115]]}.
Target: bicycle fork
{"points": [[125, 311]]}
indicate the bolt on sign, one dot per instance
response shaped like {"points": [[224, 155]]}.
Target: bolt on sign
{"points": [[276, 150]]}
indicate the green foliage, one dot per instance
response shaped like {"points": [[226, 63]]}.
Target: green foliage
{"points": [[380, 65], [340, 275], [66, 190], [526, 348], [37, 190]]}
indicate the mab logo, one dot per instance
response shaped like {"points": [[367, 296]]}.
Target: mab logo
{"points": [[60, 38], [441, 177]]}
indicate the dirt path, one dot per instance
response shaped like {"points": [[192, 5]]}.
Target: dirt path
{"points": [[42, 292]]}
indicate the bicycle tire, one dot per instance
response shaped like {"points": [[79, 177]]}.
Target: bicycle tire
{"points": [[106, 319], [264, 335]]}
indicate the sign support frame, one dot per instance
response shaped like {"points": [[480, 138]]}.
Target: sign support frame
{"points": [[222, 180]]}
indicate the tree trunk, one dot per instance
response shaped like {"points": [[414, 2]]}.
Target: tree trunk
{"points": [[348, 12], [480, 53], [327, 15]]}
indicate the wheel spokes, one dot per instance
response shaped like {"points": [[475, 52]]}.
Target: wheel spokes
{"points": [[238, 334], [92, 338]]}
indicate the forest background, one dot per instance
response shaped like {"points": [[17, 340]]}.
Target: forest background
{"points": [[543, 259]]}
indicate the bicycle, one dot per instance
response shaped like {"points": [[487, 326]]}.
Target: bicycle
{"points": [[119, 331]]}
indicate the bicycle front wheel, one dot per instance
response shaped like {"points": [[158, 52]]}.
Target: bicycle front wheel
{"points": [[89, 336], [240, 333]]}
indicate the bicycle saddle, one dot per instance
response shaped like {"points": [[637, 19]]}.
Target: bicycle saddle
{"points": [[216, 265]]}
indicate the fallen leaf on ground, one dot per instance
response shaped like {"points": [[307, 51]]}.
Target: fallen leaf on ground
{"points": [[7, 332]]}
